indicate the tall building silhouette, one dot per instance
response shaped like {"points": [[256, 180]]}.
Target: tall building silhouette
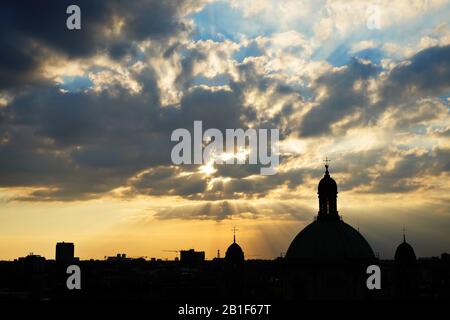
{"points": [[64, 252], [192, 258]]}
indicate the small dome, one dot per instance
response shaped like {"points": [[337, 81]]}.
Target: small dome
{"points": [[405, 253], [327, 185], [325, 239], [234, 253]]}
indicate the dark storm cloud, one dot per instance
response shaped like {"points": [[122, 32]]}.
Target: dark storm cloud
{"points": [[406, 175], [445, 133], [219, 109], [80, 145], [258, 186], [240, 171], [31, 27], [403, 177], [250, 79], [185, 78], [170, 180], [84, 144], [407, 116], [361, 166], [342, 100], [427, 74]]}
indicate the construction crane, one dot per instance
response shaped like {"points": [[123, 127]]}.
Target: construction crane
{"points": [[172, 250], [177, 251]]}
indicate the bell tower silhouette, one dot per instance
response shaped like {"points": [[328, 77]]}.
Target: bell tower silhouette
{"points": [[327, 191]]}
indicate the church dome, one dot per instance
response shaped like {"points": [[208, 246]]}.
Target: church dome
{"points": [[234, 253], [405, 253], [328, 236], [328, 239]]}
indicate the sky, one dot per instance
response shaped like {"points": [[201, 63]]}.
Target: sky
{"points": [[86, 118]]}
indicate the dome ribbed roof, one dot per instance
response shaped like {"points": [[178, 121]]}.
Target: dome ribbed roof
{"points": [[325, 239]]}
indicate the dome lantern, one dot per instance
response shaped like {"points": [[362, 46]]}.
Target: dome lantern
{"points": [[327, 191]]}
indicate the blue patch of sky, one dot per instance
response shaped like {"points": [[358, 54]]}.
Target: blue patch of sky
{"points": [[251, 50], [219, 80], [338, 57], [373, 54], [75, 84], [406, 34], [419, 129], [342, 55], [218, 21], [138, 56], [445, 98]]}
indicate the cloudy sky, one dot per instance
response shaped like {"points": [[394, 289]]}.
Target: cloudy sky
{"points": [[86, 117]]}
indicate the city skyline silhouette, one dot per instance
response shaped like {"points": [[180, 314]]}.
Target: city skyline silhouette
{"points": [[148, 138], [328, 259]]}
